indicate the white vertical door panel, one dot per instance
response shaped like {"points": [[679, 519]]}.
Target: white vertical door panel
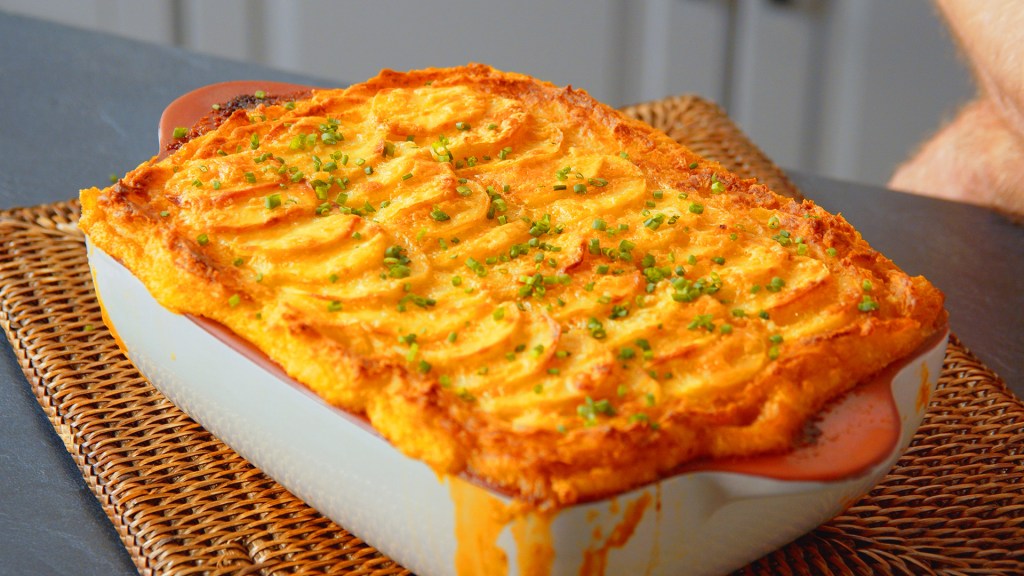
{"points": [[894, 80], [226, 28], [567, 42], [79, 13], [149, 20], [774, 75], [677, 47], [844, 88]]}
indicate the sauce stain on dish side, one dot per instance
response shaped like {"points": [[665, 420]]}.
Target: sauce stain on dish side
{"points": [[535, 550], [481, 517], [595, 559], [924, 390]]}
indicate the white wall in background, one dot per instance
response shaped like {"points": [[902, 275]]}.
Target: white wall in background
{"points": [[843, 88]]}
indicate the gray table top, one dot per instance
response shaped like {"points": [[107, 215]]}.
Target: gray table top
{"points": [[95, 100]]}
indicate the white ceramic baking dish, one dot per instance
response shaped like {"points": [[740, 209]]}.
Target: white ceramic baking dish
{"points": [[710, 518]]}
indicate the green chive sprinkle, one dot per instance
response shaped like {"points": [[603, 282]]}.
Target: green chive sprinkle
{"points": [[867, 304], [439, 215]]}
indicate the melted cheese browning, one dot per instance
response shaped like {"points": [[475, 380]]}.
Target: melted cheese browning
{"points": [[512, 281]]}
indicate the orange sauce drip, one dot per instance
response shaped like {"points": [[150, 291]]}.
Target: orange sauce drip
{"points": [[106, 319], [535, 551], [595, 560], [480, 517], [656, 550], [924, 390]]}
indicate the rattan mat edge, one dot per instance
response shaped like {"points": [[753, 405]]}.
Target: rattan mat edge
{"points": [[183, 503]]}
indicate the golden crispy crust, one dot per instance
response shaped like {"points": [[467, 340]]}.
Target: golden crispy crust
{"points": [[512, 281]]}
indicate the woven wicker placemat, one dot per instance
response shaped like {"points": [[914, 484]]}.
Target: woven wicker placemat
{"points": [[184, 503]]}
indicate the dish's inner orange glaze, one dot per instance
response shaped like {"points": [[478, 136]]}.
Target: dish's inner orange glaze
{"points": [[858, 431]]}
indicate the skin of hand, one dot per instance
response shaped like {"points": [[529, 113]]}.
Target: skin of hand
{"points": [[979, 156]]}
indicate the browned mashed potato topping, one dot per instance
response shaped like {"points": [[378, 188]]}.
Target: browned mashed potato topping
{"points": [[512, 281]]}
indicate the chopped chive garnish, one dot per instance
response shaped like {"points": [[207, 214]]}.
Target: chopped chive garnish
{"points": [[334, 306], [702, 321], [476, 266], [776, 284], [867, 304], [407, 175], [180, 132], [696, 208], [234, 300], [203, 239], [439, 215]]}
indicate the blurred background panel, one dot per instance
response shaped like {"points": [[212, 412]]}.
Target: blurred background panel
{"points": [[840, 88]]}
